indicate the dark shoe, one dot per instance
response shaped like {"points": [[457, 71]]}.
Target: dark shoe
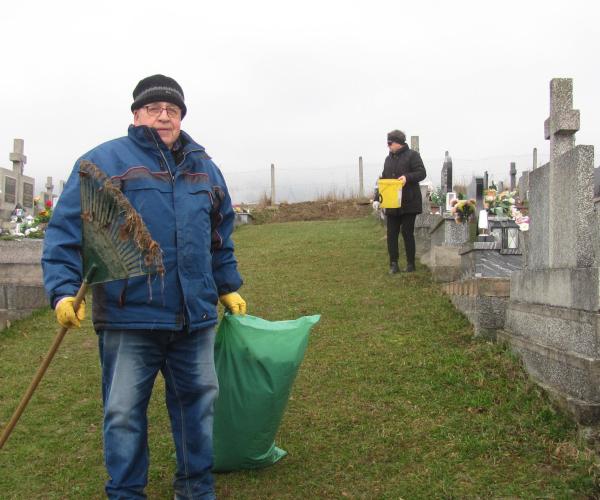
{"points": [[410, 268], [394, 268]]}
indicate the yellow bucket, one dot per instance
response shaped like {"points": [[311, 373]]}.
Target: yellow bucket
{"points": [[390, 193]]}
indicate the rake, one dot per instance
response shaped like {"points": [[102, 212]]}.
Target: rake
{"points": [[115, 245]]}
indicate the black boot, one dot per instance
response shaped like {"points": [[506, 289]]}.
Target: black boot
{"points": [[394, 268], [410, 267]]}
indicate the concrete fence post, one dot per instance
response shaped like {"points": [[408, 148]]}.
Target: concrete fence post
{"points": [[361, 190], [272, 184]]}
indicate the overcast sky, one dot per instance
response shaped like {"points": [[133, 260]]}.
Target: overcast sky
{"points": [[309, 86]]}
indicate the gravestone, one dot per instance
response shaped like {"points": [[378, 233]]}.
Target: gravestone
{"points": [[482, 293], [16, 189], [513, 176], [552, 319], [446, 184], [475, 191], [523, 186], [445, 235], [21, 287], [423, 223], [486, 181]]}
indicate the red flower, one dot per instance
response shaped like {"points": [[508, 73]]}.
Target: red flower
{"points": [[48, 203]]}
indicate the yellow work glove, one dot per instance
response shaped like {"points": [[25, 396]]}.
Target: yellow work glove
{"points": [[234, 302], [65, 314]]}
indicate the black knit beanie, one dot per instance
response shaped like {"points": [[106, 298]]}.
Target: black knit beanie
{"points": [[397, 136], [158, 88]]}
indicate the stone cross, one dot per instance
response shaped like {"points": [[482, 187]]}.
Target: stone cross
{"points": [[414, 143], [446, 184], [513, 176], [563, 122], [49, 189], [17, 157]]}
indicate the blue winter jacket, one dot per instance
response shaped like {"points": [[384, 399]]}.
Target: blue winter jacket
{"points": [[187, 209]]}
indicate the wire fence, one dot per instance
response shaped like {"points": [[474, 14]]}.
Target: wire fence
{"points": [[312, 182]]}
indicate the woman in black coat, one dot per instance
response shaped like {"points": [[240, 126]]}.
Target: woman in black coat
{"points": [[405, 164]]}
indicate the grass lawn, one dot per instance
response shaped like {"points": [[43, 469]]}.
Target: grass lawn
{"points": [[395, 399]]}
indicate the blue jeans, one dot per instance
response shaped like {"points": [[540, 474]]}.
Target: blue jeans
{"points": [[130, 362]]}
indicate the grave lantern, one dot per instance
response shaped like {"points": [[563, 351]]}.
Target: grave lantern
{"points": [[510, 237], [506, 232]]}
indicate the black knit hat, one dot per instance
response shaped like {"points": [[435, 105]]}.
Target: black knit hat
{"points": [[158, 88], [397, 136]]}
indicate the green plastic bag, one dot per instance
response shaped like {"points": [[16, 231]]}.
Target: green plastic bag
{"points": [[257, 362]]}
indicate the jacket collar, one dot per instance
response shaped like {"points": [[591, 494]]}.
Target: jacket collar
{"points": [[402, 151], [148, 138]]}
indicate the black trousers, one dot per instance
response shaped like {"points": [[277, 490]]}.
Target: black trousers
{"points": [[406, 222]]}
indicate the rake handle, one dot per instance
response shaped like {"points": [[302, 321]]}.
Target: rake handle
{"points": [[41, 370]]}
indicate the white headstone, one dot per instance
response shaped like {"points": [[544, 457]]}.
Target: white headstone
{"points": [[449, 197]]}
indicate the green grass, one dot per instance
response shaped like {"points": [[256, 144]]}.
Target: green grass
{"points": [[395, 399]]}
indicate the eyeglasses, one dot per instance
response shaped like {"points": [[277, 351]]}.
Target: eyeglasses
{"points": [[156, 110]]}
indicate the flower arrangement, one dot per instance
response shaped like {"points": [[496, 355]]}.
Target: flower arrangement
{"points": [[241, 209], [436, 198], [463, 210], [44, 215], [521, 220], [500, 204], [504, 204], [436, 201]]}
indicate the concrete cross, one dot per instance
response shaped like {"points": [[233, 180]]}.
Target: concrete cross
{"points": [[17, 157], [446, 183], [49, 189], [513, 175], [563, 122], [414, 143]]}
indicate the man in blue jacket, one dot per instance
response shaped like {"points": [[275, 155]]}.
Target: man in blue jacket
{"points": [[183, 199]]}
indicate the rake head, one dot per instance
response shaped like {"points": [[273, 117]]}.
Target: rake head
{"points": [[116, 242]]}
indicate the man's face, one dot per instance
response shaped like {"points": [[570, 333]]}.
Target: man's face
{"points": [[162, 116], [394, 146]]}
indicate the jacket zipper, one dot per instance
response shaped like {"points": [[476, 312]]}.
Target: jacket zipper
{"points": [[166, 163], [185, 153]]}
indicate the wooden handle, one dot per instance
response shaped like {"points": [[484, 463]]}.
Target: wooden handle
{"points": [[41, 371]]}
